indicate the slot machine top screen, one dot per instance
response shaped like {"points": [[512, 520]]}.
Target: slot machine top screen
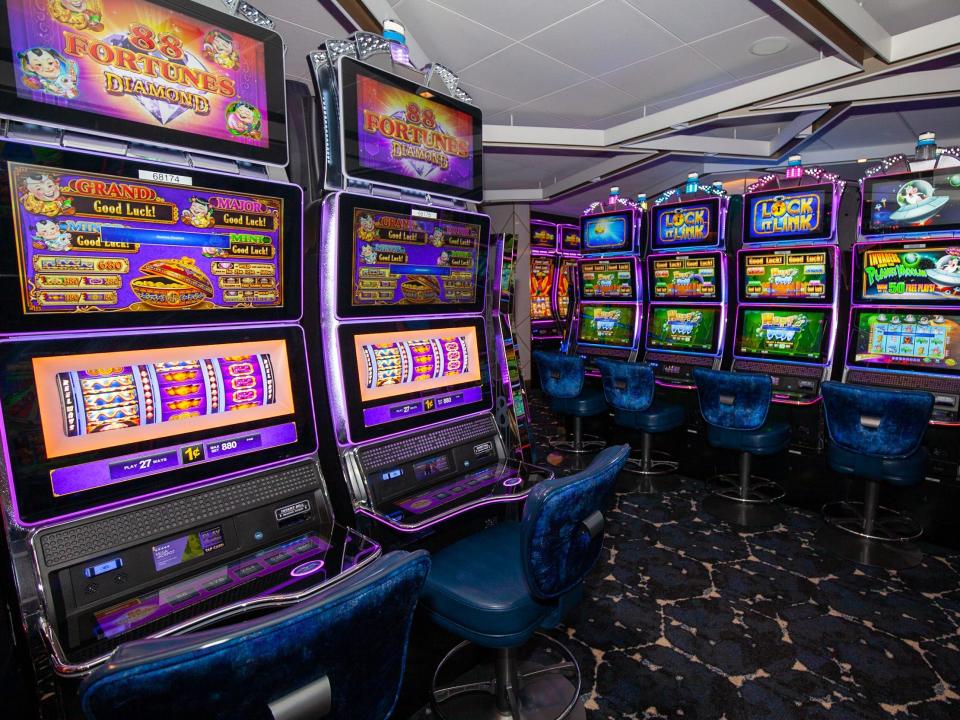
{"points": [[691, 329], [402, 134], [542, 268], [898, 339], [569, 239], [166, 71], [397, 258], [804, 274], [103, 247], [805, 213], [85, 427], [543, 235], [607, 279], [404, 374], [795, 334], [911, 273], [695, 223], [609, 232], [685, 277], [927, 201]]}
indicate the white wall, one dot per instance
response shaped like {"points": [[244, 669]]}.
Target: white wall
{"points": [[516, 219]]}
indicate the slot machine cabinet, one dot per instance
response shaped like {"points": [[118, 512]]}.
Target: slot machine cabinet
{"points": [[544, 264], [904, 327], [608, 309], [788, 293], [564, 287], [404, 302]]}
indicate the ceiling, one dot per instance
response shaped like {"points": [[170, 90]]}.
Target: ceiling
{"points": [[581, 94]]}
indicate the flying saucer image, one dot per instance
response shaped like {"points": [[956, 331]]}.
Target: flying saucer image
{"points": [[917, 202], [946, 279]]}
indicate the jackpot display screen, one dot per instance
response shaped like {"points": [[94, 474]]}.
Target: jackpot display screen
{"points": [[908, 273], [403, 259], [927, 201], [404, 374], [567, 267], [611, 325], [607, 279], [87, 426], [569, 238], [691, 329], [543, 235], [800, 274], [87, 244], [607, 233], [166, 71], [542, 268], [925, 341], [690, 224], [393, 134], [691, 277], [797, 214], [792, 334]]}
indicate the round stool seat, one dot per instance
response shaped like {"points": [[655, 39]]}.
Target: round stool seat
{"points": [[768, 439], [901, 471], [660, 417], [588, 403]]}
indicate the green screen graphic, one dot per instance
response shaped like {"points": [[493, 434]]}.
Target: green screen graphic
{"points": [[607, 325], [682, 328], [790, 334]]}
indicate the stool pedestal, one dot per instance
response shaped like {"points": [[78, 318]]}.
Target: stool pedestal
{"points": [[650, 467], [578, 446], [745, 499]]}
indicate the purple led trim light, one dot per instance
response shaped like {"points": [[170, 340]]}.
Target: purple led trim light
{"points": [[307, 568], [512, 482]]}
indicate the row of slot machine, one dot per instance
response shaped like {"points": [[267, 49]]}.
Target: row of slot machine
{"points": [[217, 399], [800, 279]]}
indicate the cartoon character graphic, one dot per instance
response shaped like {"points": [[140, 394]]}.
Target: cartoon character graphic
{"points": [[444, 258], [78, 14], [946, 274], [436, 239], [199, 215], [949, 264], [917, 202], [367, 230], [45, 69], [243, 119], [219, 47], [47, 235], [40, 194], [368, 255]]}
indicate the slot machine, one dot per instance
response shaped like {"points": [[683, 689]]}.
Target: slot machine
{"points": [[405, 312], [544, 265], [609, 304], [569, 236], [904, 329], [160, 471], [686, 270], [788, 290]]}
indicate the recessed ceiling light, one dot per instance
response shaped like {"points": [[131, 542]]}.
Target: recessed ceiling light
{"points": [[769, 45]]}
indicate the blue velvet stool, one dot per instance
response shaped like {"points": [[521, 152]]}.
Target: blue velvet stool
{"points": [[497, 588], [735, 406], [338, 655], [630, 389], [561, 379], [876, 435]]}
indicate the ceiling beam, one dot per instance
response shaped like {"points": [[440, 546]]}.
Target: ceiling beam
{"points": [[361, 16], [828, 28]]}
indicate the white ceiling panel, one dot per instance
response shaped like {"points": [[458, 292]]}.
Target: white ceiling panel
{"points": [[731, 49], [691, 20], [677, 72], [511, 171], [489, 102], [525, 115], [944, 121], [516, 19], [603, 37], [299, 41], [521, 73], [585, 101], [897, 16], [873, 128], [447, 37]]}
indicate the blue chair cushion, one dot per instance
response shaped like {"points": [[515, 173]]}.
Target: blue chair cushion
{"points": [[477, 590], [902, 471], [660, 417], [588, 403], [770, 438]]}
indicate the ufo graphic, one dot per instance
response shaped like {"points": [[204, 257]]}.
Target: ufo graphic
{"points": [[917, 202]]}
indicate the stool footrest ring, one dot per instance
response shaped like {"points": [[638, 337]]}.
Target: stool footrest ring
{"points": [[888, 525], [761, 490]]}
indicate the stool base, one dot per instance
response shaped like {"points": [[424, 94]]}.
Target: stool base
{"points": [[887, 525], [577, 446], [747, 515], [862, 550], [536, 692]]}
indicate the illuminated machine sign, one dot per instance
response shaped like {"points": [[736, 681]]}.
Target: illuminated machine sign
{"points": [[607, 232], [611, 325], [926, 341], [805, 214], [683, 328], [927, 201], [400, 137], [569, 239], [401, 375], [784, 334], [399, 258], [541, 287], [693, 277], [543, 236], [86, 245], [165, 71], [686, 224], [607, 280], [909, 273], [787, 274], [87, 426]]}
